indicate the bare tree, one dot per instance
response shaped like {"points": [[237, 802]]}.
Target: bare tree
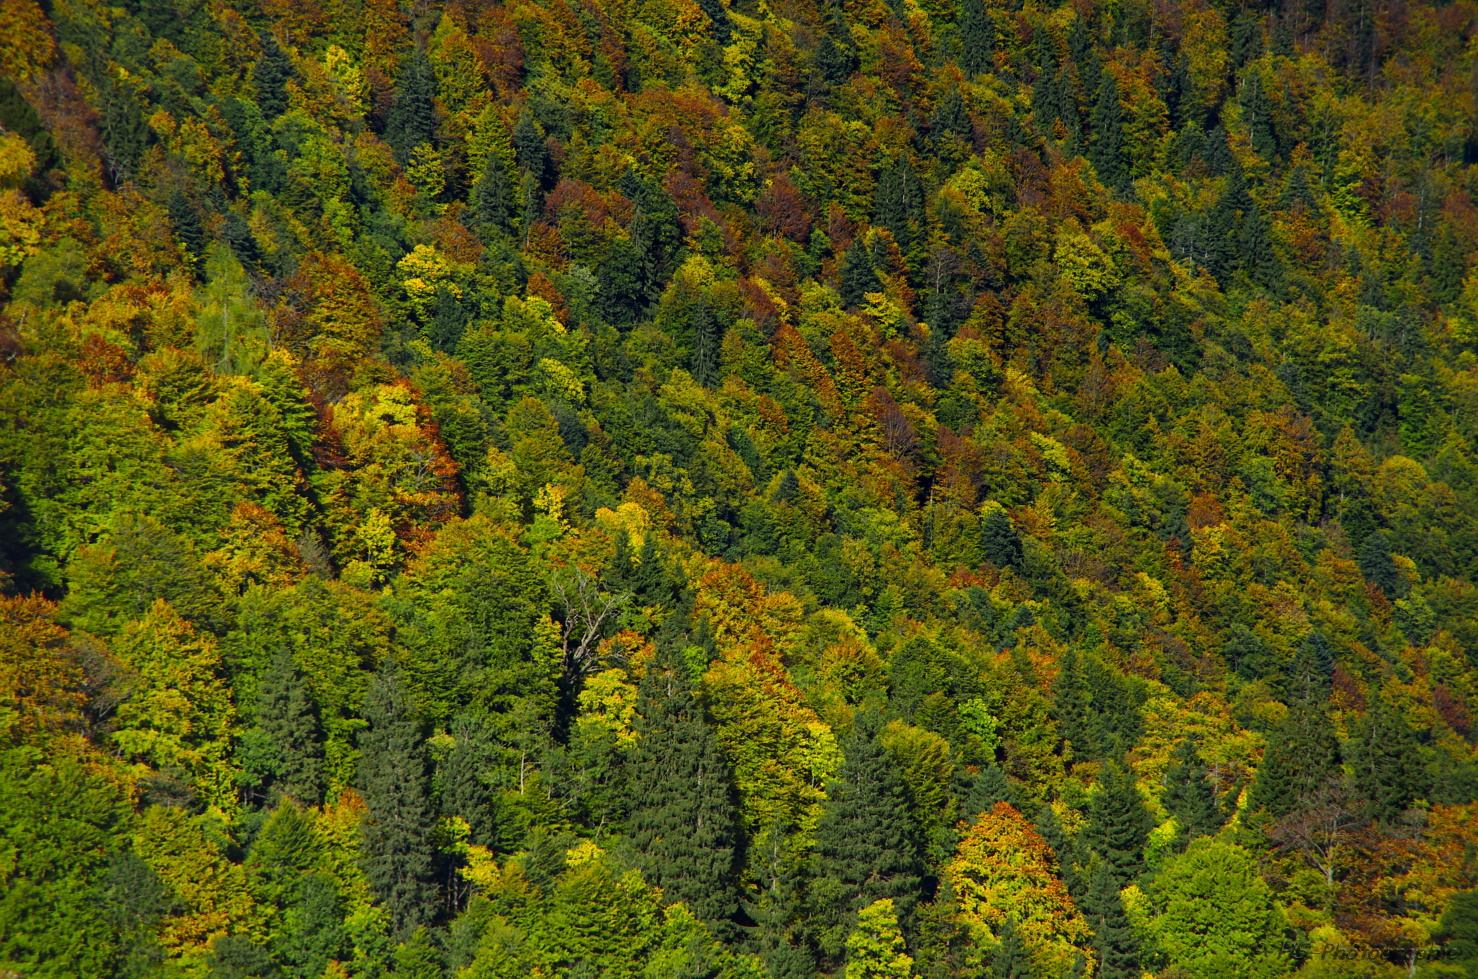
{"points": [[587, 609], [1322, 828]]}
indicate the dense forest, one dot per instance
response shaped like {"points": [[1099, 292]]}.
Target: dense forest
{"points": [[679, 489]]}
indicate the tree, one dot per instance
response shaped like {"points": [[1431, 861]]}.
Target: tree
{"points": [[397, 852], [1118, 948], [1011, 960], [412, 118], [977, 37], [1215, 916], [1376, 564], [1458, 931], [1189, 797], [685, 814], [270, 75], [857, 274], [1119, 824], [875, 947], [867, 843], [707, 339], [529, 147], [492, 203], [999, 539], [1386, 758], [1072, 707], [1301, 755], [463, 776], [1107, 150], [288, 720], [1003, 872]]}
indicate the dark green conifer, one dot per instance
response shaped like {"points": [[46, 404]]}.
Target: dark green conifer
{"points": [[977, 37], [1118, 951], [1119, 824], [1108, 152], [685, 816], [313, 929], [1063, 847], [1376, 564], [1189, 797], [492, 205], [833, 61], [857, 274], [999, 539], [1072, 707], [530, 147], [1301, 756], [397, 853], [418, 957], [1249, 654], [1388, 762], [718, 19], [707, 339], [465, 792], [1011, 960], [867, 843], [412, 119], [270, 75], [187, 229], [287, 715], [988, 788]]}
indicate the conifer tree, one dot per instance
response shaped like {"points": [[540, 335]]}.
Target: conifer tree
{"points": [[857, 274], [988, 788], [718, 20], [287, 715], [270, 75], [1072, 707], [977, 37], [1388, 763], [685, 816], [313, 926], [1189, 796], [1063, 847], [397, 853], [529, 147], [999, 539], [1107, 151], [867, 843], [412, 119], [1376, 564], [1300, 757], [492, 203], [1011, 960], [707, 339], [1118, 950], [187, 229], [1119, 824], [464, 792]]}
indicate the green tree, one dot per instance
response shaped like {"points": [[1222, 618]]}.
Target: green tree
{"points": [[999, 539], [1011, 960], [270, 75], [288, 730], [412, 118], [1107, 149], [1113, 937], [977, 37], [530, 148], [1387, 761], [1189, 797], [1302, 755], [685, 814], [397, 853], [1376, 564], [1214, 915], [1119, 824], [875, 947]]}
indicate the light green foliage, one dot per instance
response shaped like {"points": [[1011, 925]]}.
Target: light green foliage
{"points": [[1215, 916]]}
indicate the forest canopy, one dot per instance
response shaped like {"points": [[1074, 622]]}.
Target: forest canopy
{"points": [[760, 489]]}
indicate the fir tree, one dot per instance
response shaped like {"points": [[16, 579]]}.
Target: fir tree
{"points": [[718, 19], [866, 843], [1011, 960], [977, 37], [833, 61], [707, 339], [287, 715], [1189, 797], [187, 229], [1118, 950], [685, 817], [1064, 847], [412, 119], [1388, 763], [397, 853], [858, 275], [530, 148], [1248, 653], [492, 205], [465, 792], [1376, 564], [1072, 707], [1107, 151], [1119, 824], [999, 539], [270, 75], [313, 930], [1300, 757], [988, 788]]}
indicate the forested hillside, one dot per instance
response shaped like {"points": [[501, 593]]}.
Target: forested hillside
{"points": [[770, 488]]}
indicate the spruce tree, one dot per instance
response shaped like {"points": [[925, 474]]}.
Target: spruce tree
{"points": [[1107, 151], [867, 844], [1119, 824], [988, 788], [492, 203], [313, 929], [287, 715], [465, 793], [1011, 960], [977, 37], [412, 119], [857, 274], [1189, 797], [270, 75], [187, 229], [719, 23], [1072, 707], [1118, 951], [707, 339], [999, 539], [685, 817], [397, 853], [1302, 755], [1063, 847], [833, 61], [530, 148], [1376, 564], [1388, 763]]}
